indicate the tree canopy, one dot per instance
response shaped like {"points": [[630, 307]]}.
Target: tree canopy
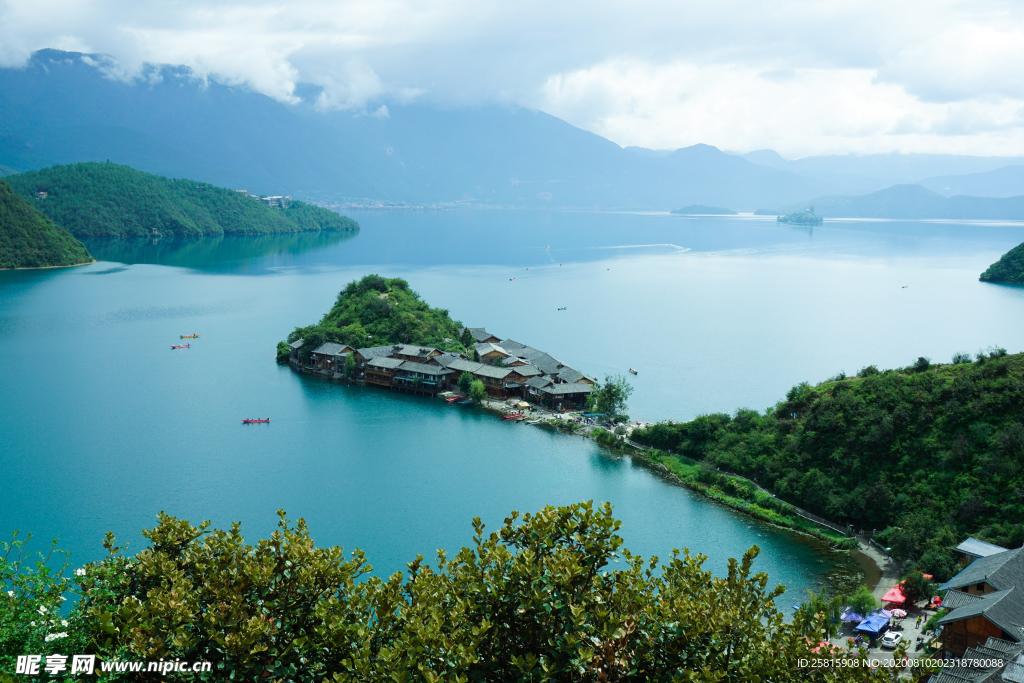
{"points": [[927, 454], [538, 599], [1009, 268], [376, 311], [28, 239], [110, 200]]}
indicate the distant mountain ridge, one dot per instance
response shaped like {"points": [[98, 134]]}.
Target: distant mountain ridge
{"points": [[28, 239], [110, 200], [60, 110], [909, 202]]}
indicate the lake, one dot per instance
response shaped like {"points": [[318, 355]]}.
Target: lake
{"points": [[103, 425]]}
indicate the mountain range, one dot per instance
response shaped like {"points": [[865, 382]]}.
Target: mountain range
{"points": [[64, 107]]}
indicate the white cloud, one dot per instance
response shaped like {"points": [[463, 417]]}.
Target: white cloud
{"points": [[802, 76]]}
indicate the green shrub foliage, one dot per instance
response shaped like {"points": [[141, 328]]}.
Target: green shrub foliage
{"points": [[1009, 268], [929, 454], [376, 311], [109, 200], [28, 239], [536, 600]]}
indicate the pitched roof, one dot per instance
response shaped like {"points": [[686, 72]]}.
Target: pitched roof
{"points": [[483, 349], [296, 344], [1003, 608], [332, 349], [446, 359], [1002, 570], [526, 370], [374, 351], [479, 334], [538, 382], [512, 346], [410, 366], [569, 375], [414, 350], [955, 598], [463, 365], [973, 546], [385, 362], [576, 388], [492, 371]]}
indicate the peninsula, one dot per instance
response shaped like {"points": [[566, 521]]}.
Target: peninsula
{"points": [[1008, 269], [379, 332], [28, 239], [111, 200], [925, 454]]}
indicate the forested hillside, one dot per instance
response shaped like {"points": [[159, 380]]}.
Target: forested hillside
{"points": [[28, 239], [109, 200], [376, 311], [926, 454], [1008, 269]]}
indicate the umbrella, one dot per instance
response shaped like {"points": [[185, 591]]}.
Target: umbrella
{"points": [[899, 613]]}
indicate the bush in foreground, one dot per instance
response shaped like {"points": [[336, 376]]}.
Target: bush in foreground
{"points": [[533, 601]]}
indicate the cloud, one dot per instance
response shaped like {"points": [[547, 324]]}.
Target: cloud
{"points": [[802, 76]]}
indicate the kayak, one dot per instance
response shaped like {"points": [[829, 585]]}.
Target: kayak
{"points": [[180, 346], [453, 398], [249, 422], [512, 416], [190, 336]]}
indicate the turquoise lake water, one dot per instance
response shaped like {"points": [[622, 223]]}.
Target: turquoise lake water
{"points": [[103, 425]]}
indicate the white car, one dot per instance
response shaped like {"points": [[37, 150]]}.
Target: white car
{"points": [[891, 639]]}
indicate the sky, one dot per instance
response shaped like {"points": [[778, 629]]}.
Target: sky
{"points": [[802, 78]]}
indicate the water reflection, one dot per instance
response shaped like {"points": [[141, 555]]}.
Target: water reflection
{"points": [[224, 253]]}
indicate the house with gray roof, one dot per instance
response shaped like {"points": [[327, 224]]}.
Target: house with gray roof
{"points": [[973, 549], [986, 599], [490, 353], [420, 378], [995, 661], [480, 335], [330, 357], [293, 351]]}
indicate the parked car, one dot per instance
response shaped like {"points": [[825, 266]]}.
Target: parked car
{"points": [[891, 639]]}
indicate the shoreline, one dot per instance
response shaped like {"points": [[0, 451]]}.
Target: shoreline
{"points": [[71, 265], [877, 573]]}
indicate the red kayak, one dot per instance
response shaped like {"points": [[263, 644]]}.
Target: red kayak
{"points": [[511, 417], [181, 346], [454, 398], [249, 422]]}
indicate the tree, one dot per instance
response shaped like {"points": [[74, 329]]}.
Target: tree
{"points": [[610, 399], [862, 601], [477, 391], [465, 382], [350, 365], [283, 351], [916, 587], [830, 608], [467, 338]]}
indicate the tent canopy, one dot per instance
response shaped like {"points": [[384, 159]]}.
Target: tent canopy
{"points": [[873, 624], [895, 595], [849, 615]]}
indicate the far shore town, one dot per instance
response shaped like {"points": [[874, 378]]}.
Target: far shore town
{"points": [[507, 369]]}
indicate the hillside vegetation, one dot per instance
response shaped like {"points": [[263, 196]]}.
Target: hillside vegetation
{"points": [[550, 597], [376, 311], [926, 454], [1009, 268], [28, 239], [110, 200]]}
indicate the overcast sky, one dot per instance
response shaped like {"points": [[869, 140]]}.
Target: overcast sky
{"points": [[802, 78]]}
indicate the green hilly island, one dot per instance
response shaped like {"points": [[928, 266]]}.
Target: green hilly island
{"points": [[28, 239], [1008, 269], [926, 454], [376, 311], [110, 200]]}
